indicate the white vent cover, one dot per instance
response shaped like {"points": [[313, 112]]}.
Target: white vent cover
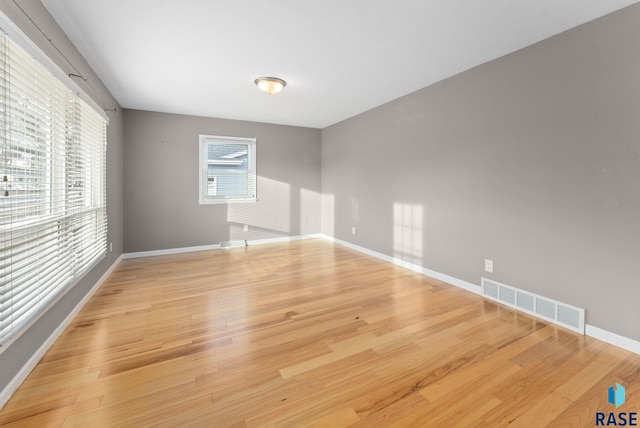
{"points": [[542, 307]]}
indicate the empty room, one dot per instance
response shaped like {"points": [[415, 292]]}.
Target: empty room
{"points": [[319, 213]]}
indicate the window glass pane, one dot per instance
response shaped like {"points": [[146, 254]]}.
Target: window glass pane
{"points": [[227, 171]]}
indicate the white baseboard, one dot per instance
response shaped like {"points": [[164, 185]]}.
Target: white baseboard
{"points": [[283, 239], [613, 338], [591, 331], [170, 251], [411, 266], [29, 365], [181, 250]]}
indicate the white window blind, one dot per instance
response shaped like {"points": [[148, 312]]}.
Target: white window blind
{"points": [[53, 220], [227, 169]]}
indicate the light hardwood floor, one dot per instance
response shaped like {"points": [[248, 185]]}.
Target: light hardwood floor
{"points": [[310, 334]]}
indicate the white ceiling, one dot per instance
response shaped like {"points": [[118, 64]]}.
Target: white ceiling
{"points": [[339, 57]]}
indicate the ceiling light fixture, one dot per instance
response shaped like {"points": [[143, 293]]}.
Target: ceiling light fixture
{"points": [[270, 85]]}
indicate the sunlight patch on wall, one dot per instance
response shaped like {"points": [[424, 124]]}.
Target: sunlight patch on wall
{"points": [[310, 211], [328, 214], [407, 232]]}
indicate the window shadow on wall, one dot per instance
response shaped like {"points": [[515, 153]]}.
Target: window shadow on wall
{"points": [[269, 217]]}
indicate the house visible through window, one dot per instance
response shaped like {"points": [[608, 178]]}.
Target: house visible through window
{"points": [[227, 169]]}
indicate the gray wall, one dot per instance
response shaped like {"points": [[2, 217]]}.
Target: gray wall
{"points": [[531, 160], [14, 357], [161, 183]]}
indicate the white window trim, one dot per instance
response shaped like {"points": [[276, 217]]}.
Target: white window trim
{"points": [[202, 167]]}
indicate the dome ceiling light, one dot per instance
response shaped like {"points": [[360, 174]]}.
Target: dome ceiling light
{"points": [[270, 85]]}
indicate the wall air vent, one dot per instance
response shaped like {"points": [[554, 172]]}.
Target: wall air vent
{"points": [[542, 307]]}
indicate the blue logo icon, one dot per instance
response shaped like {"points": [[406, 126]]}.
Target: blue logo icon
{"points": [[616, 395]]}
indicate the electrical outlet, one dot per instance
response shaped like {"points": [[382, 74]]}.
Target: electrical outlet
{"points": [[246, 227], [353, 230], [488, 265], [110, 246]]}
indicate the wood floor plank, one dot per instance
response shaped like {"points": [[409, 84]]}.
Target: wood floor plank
{"points": [[337, 418], [310, 333], [543, 412]]}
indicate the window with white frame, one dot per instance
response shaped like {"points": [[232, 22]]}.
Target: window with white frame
{"points": [[53, 219], [227, 169]]}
